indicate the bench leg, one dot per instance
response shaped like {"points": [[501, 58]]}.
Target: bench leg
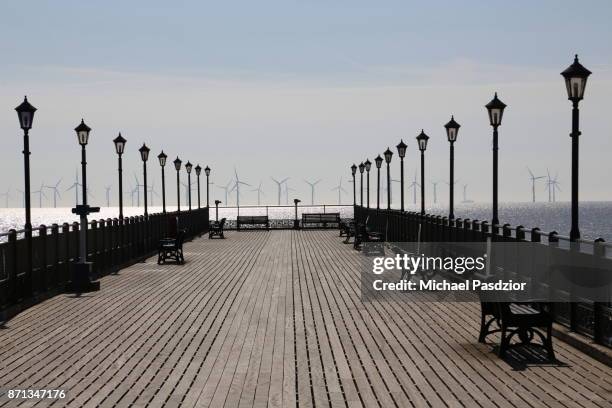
{"points": [[505, 341], [548, 345]]}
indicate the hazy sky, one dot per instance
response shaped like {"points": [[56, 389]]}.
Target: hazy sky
{"points": [[304, 89]]}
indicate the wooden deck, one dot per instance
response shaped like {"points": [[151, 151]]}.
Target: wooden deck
{"points": [[273, 319]]}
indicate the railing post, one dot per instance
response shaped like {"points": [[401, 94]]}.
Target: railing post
{"points": [[66, 260], [55, 245], [75, 237], [92, 247], [599, 319], [42, 249], [14, 292]]}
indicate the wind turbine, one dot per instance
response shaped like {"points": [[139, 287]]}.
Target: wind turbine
{"points": [[279, 185], [237, 187], [22, 198], [138, 185], [75, 186], [533, 180], [312, 189], [6, 196], [225, 189], [152, 192], [40, 193], [108, 190], [435, 191], [56, 192], [414, 186], [552, 185], [259, 193], [340, 191], [287, 190]]}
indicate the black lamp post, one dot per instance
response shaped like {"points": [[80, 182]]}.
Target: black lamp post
{"points": [[217, 202], [207, 172], [144, 155], [401, 151], [496, 111], [81, 274], [368, 166], [422, 139], [198, 170], [388, 155], [162, 162], [378, 160], [177, 167], [452, 129], [119, 142], [353, 171], [296, 221], [25, 113], [575, 81], [188, 167], [361, 169]]}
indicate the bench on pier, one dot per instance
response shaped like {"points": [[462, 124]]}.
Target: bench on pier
{"points": [[347, 229], [171, 248], [253, 221], [320, 219], [524, 319], [215, 229], [364, 234]]}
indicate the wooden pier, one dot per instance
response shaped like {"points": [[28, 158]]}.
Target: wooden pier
{"points": [[273, 319]]}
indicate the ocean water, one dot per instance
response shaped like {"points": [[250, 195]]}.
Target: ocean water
{"points": [[595, 217]]}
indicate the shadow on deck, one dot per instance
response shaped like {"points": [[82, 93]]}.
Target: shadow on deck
{"points": [[274, 319]]}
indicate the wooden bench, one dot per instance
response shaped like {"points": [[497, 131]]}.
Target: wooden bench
{"points": [[215, 229], [318, 219], [363, 234], [171, 248], [347, 229], [252, 220], [525, 319]]}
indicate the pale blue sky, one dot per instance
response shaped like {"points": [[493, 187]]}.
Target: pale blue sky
{"points": [[261, 85]]}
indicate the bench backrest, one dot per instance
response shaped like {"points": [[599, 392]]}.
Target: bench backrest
{"points": [[252, 219], [321, 217]]}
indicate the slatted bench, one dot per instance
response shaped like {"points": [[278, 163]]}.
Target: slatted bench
{"points": [[320, 219], [253, 221], [526, 320], [216, 229]]}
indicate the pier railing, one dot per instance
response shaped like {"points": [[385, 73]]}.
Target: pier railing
{"points": [[111, 245], [593, 319]]}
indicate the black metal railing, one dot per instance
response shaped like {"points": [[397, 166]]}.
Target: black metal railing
{"points": [[593, 319], [111, 245]]}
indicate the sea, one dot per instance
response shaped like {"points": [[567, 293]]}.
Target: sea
{"points": [[595, 217]]}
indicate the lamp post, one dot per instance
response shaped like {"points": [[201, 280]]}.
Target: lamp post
{"points": [[361, 169], [401, 151], [162, 163], [353, 171], [81, 273], [422, 139], [452, 129], [144, 155], [25, 113], [177, 167], [188, 167], [388, 155], [368, 166], [296, 222], [198, 170], [575, 81], [207, 172], [496, 111], [217, 202], [378, 160], [119, 142]]}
